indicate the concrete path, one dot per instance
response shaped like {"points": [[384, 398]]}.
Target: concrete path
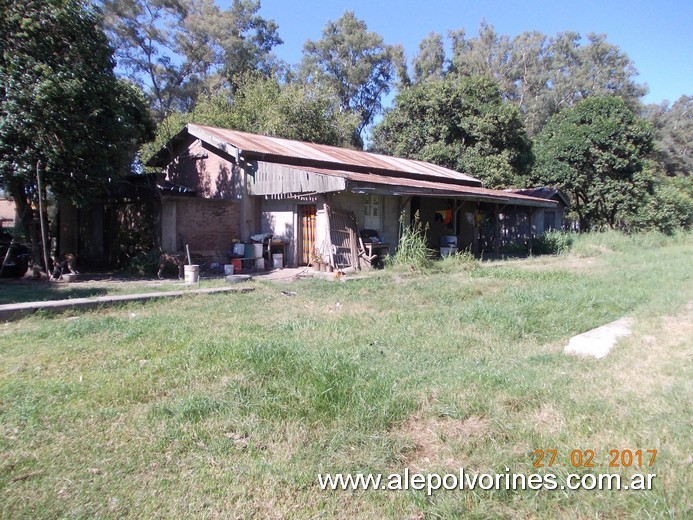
{"points": [[598, 342], [14, 311]]}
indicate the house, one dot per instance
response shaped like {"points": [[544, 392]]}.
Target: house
{"points": [[546, 219], [238, 185]]}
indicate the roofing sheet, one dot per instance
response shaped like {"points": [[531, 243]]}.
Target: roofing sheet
{"points": [[410, 186], [344, 158]]}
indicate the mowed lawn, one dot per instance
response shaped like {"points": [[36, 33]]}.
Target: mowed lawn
{"points": [[228, 406]]}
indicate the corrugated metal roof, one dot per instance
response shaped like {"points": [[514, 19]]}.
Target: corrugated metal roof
{"points": [[259, 146], [405, 186], [543, 193]]}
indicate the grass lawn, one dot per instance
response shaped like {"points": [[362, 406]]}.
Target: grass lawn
{"points": [[230, 405]]}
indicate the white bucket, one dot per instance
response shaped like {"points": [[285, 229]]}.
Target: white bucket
{"points": [[277, 260], [192, 273], [447, 251], [228, 269], [259, 264]]}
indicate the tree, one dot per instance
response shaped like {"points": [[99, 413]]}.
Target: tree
{"points": [[178, 49], [430, 61], [595, 152], [63, 113], [461, 123], [356, 64], [673, 135], [266, 106], [542, 75]]}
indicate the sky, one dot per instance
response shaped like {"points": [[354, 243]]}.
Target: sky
{"points": [[656, 34]]}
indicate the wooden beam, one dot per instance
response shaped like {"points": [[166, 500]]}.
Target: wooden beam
{"points": [[496, 235]]}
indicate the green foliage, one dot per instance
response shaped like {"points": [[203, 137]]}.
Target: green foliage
{"points": [[354, 63], [595, 152], [266, 106], [673, 135], [62, 106], [553, 242], [430, 61], [539, 74], [461, 123], [147, 264], [412, 249], [178, 50], [668, 209]]}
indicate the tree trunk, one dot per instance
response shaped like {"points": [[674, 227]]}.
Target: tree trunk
{"points": [[24, 214]]}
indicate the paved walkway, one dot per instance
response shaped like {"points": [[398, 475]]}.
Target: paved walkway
{"points": [[14, 311], [598, 342]]}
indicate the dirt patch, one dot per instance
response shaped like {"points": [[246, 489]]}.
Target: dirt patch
{"points": [[662, 349], [440, 441]]}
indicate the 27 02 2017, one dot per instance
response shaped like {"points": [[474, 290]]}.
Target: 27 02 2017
{"points": [[586, 458]]}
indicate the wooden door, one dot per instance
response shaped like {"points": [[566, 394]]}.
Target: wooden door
{"points": [[308, 215]]}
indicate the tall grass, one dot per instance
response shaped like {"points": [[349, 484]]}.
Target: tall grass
{"points": [[412, 250]]}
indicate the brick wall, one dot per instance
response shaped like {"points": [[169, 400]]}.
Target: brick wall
{"points": [[202, 168], [208, 226]]}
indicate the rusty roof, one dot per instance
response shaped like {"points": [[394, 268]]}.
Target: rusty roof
{"points": [[403, 186], [299, 153]]}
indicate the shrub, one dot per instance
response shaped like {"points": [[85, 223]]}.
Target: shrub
{"points": [[553, 242], [147, 264]]}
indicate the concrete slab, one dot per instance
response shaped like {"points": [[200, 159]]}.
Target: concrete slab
{"points": [[14, 311], [598, 342]]}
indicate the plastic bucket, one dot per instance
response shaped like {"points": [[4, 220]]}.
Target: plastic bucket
{"points": [[228, 269], [448, 241], [237, 265], [239, 249], [277, 260], [192, 273], [447, 251], [253, 250], [259, 264]]}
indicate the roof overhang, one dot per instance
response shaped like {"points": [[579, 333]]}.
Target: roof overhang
{"points": [[273, 180], [166, 154]]}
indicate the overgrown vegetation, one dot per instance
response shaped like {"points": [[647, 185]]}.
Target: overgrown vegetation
{"points": [[553, 242], [412, 249], [207, 407]]}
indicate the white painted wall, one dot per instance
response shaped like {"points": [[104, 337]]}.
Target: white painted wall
{"points": [[280, 218]]}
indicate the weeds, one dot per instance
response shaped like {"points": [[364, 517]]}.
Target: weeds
{"points": [[412, 249], [553, 242]]}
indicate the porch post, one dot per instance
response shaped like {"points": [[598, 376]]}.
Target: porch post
{"points": [[496, 235], [530, 212]]}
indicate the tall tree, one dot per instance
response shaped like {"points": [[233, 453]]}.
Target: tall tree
{"points": [[266, 106], [63, 113], [356, 64], [461, 123], [595, 152], [430, 61], [673, 135], [543, 75], [177, 49]]}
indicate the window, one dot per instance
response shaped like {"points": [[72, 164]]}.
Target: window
{"points": [[549, 220], [372, 212]]}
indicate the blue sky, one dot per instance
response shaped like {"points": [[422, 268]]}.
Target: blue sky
{"points": [[656, 35]]}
